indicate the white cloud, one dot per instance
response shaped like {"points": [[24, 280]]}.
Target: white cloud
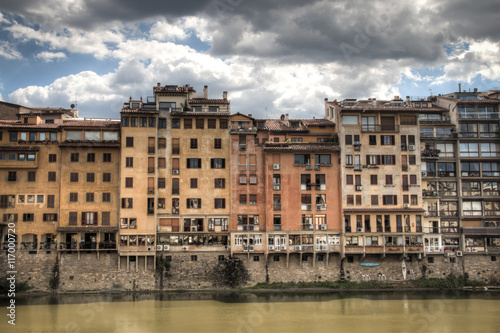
{"points": [[8, 51], [480, 59], [3, 20], [50, 56], [164, 31]]}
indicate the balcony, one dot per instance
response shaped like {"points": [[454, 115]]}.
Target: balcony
{"points": [[320, 187], [107, 245], [306, 207], [379, 128], [478, 115], [48, 246], [29, 246], [321, 206], [434, 249], [430, 153]]}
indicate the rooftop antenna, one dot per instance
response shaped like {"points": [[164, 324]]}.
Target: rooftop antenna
{"points": [[430, 91]]}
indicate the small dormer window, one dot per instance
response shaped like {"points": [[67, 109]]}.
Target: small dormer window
{"points": [[260, 124], [294, 124], [424, 105], [136, 105], [25, 120], [417, 105], [212, 108]]}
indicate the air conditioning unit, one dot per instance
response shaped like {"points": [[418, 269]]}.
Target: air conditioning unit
{"points": [[297, 247], [474, 249], [447, 254], [175, 172], [194, 229], [276, 187], [406, 205], [184, 248], [283, 247], [360, 229], [424, 173], [159, 247], [271, 247], [468, 249], [322, 227], [166, 247], [276, 166], [459, 253], [411, 147], [359, 188]]}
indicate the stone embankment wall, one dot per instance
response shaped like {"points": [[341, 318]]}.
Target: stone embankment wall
{"points": [[89, 271]]}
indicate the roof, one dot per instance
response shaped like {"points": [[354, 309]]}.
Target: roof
{"points": [[199, 114], [318, 122], [195, 101], [88, 229], [481, 231], [471, 101], [276, 125], [19, 148], [128, 110], [173, 89], [19, 125], [94, 144], [301, 147], [388, 210], [92, 123]]}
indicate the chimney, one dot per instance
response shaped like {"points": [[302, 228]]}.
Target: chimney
{"points": [[158, 84], [475, 90], [205, 92], [250, 115], [224, 95], [407, 98], [459, 87], [286, 116]]}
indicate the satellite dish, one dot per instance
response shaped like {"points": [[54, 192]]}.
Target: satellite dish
{"points": [[72, 106]]}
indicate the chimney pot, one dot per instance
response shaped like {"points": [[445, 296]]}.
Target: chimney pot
{"points": [[249, 114], [224, 95], [158, 84], [205, 91]]}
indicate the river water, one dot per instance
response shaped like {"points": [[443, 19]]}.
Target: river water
{"points": [[253, 312]]}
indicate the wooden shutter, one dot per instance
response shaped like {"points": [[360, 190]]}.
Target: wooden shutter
{"points": [[175, 163], [84, 218], [95, 218], [387, 123]]}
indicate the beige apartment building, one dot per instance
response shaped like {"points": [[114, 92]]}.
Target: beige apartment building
{"points": [[381, 176]]}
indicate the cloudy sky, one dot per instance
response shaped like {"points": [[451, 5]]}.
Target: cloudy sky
{"points": [[274, 57]]}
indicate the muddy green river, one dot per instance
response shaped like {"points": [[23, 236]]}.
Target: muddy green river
{"points": [[269, 312]]}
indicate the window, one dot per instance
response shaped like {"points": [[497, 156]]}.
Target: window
{"points": [[387, 140], [489, 169], [217, 163], [162, 163], [162, 123], [349, 180], [374, 200], [162, 143], [106, 177], [217, 143], [252, 179], [52, 158], [193, 163], [129, 162], [161, 182], [390, 200], [212, 123], [28, 217], [143, 122], [90, 157], [200, 123], [176, 123], [90, 177], [106, 197], [194, 258], [89, 218], [373, 180], [219, 183], [193, 203], [219, 203], [32, 176], [50, 201], [471, 169], [243, 179], [446, 169], [31, 157], [388, 159], [74, 157], [152, 122], [490, 149], [471, 208], [161, 203], [193, 183], [350, 120], [469, 150], [414, 200], [129, 182], [348, 140], [133, 122], [223, 123], [73, 177], [243, 199], [106, 157], [175, 186], [449, 208], [13, 136], [323, 159], [188, 123], [302, 159], [388, 179], [372, 140], [90, 197], [50, 217], [129, 141], [127, 202], [175, 146], [253, 199], [194, 144]]}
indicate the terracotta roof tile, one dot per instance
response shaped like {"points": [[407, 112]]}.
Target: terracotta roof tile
{"points": [[128, 110], [88, 229], [19, 148], [92, 123], [411, 210], [206, 114], [195, 101], [275, 125], [94, 144], [301, 146], [318, 122], [19, 125]]}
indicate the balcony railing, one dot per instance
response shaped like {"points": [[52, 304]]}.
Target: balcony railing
{"points": [[28, 246], [379, 128], [431, 153], [321, 206], [478, 115]]}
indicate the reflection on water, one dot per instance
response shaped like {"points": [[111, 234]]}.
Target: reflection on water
{"points": [[254, 312]]}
